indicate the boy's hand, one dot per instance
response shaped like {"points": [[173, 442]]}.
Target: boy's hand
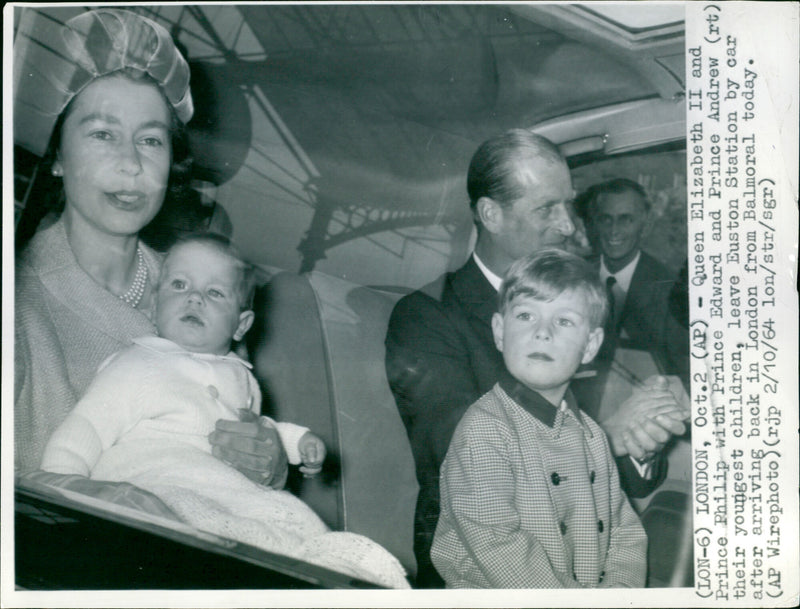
{"points": [[253, 449], [312, 451]]}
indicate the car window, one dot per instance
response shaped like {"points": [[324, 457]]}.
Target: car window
{"points": [[662, 173], [332, 141], [347, 128]]}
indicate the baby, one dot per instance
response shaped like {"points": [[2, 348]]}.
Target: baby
{"points": [[146, 417], [530, 495], [173, 385]]}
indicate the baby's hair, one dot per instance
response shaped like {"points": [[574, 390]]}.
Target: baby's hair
{"points": [[247, 272], [548, 273]]}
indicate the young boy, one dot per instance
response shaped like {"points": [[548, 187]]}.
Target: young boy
{"points": [[146, 417], [530, 495]]}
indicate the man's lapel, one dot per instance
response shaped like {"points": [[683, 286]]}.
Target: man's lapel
{"points": [[475, 293], [637, 290]]}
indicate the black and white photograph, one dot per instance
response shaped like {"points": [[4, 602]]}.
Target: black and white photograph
{"points": [[400, 304]]}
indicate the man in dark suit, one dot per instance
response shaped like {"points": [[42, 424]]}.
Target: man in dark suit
{"points": [[639, 285], [440, 353]]}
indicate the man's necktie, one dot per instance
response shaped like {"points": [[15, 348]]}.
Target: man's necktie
{"points": [[609, 345]]}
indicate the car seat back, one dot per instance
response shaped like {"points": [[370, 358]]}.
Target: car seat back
{"points": [[317, 349]]}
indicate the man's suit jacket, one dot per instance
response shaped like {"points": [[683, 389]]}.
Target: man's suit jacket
{"points": [[646, 322], [440, 358], [645, 308]]}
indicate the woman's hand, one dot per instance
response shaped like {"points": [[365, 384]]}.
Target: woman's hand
{"points": [[253, 449], [118, 493]]}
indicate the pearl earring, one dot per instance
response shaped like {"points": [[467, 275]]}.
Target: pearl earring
{"points": [[57, 172]]}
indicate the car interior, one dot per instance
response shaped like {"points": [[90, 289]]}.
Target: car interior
{"points": [[331, 143]]}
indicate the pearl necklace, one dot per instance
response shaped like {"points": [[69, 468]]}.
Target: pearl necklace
{"points": [[133, 296]]}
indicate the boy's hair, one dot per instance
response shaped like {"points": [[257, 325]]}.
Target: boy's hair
{"points": [[247, 273], [547, 273]]}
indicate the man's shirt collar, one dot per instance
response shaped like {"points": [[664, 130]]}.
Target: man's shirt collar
{"points": [[491, 277], [624, 275]]}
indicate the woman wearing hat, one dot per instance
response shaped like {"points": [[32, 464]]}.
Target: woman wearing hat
{"points": [[84, 285]]}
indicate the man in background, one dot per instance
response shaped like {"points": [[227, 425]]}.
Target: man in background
{"points": [[638, 285]]}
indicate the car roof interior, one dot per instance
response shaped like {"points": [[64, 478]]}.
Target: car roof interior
{"points": [[347, 129]]}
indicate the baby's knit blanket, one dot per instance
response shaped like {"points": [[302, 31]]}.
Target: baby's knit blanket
{"points": [[213, 497]]}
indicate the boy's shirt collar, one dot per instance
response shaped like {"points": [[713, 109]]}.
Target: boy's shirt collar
{"points": [[166, 346], [536, 405]]}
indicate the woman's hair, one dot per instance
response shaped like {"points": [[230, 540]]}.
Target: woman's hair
{"points": [[548, 273], [46, 196], [246, 283], [494, 168]]}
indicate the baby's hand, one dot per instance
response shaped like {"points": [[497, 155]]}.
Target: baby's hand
{"points": [[312, 451]]}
